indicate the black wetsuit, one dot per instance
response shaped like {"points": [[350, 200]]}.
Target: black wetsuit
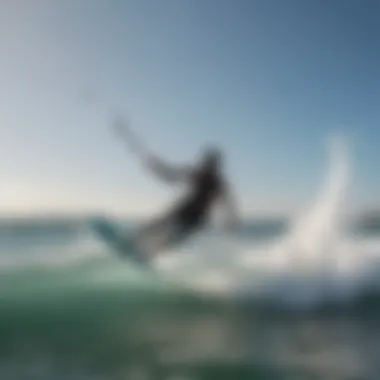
{"points": [[193, 211]]}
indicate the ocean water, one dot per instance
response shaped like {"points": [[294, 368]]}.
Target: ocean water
{"points": [[295, 299]]}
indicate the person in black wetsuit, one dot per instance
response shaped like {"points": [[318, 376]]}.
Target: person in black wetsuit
{"points": [[206, 184], [206, 187]]}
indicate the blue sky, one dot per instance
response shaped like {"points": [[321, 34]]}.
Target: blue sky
{"points": [[266, 80]]}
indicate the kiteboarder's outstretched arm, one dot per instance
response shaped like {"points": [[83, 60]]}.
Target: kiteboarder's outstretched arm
{"points": [[164, 171]]}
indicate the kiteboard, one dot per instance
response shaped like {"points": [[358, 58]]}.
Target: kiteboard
{"points": [[120, 242]]}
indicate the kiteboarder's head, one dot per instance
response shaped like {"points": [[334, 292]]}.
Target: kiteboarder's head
{"points": [[211, 158]]}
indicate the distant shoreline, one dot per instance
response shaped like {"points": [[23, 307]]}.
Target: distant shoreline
{"points": [[358, 218]]}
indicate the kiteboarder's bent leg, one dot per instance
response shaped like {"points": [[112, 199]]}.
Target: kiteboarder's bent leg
{"points": [[165, 232], [154, 236]]}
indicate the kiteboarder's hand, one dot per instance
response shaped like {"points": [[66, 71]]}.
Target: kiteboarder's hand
{"points": [[123, 131]]}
